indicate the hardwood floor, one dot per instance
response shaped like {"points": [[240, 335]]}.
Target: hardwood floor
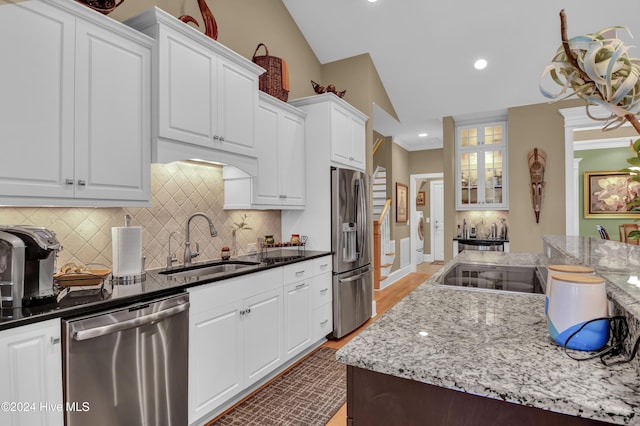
{"points": [[385, 299]]}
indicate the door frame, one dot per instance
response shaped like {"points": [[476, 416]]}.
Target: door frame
{"points": [[431, 223], [413, 179]]}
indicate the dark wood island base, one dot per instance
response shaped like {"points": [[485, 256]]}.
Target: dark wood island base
{"points": [[381, 399]]}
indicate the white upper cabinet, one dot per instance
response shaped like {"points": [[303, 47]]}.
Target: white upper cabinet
{"points": [[481, 167], [75, 110], [340, 125], [347, 138], [205, 94], [281, 167], [280, 149]]}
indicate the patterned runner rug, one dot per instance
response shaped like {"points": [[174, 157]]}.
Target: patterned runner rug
{"points": [[308, 394]]}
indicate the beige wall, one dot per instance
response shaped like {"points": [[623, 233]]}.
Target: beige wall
{"points": [[535, 126], [448, 163], [399, 174], [358, 76], [427, 161], [420, 162]]}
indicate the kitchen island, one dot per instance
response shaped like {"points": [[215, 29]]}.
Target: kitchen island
{"points": [[454, 355]]}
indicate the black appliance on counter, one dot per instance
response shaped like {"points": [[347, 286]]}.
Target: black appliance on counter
{"points": [[480, 244]]}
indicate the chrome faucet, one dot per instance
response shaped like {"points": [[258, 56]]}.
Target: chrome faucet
{"points": [[187, 243], [170, 256]]}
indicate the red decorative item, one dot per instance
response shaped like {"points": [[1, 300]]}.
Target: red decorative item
{"points": [[210, 25], [329, 89], [103, 6]]}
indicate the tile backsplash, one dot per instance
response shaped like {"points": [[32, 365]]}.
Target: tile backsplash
{"points": [[178, 190]]}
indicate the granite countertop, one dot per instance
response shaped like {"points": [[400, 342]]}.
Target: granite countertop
{"points": [[112, 295], [493, 344]]}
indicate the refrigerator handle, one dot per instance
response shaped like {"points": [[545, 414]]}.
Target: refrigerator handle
{"points": [[361, 222], [355, 277]]}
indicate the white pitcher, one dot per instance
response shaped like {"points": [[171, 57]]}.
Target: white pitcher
{"points": [[573, 300]]}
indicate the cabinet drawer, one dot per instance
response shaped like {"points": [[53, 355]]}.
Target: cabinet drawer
{"points": [[321, 292], [219, 293], [298, 271], [322, 265], [322, 321]]}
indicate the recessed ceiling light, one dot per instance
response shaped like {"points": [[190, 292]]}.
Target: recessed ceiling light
{"points": [[480, 64], [422, 135], [372, 1]]}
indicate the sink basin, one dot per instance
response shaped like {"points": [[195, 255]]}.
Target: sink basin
{"points": [[218, 267]]}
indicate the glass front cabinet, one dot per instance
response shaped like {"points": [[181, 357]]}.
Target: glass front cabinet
{"points": [[481, 167]]}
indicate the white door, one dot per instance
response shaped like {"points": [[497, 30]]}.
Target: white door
{"points": [[262, 319], [36, 100], [112, 128], [437, 219], [31, 371], [215, 357]]}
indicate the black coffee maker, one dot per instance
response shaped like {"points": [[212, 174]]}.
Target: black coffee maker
{"points": [[41, 249]]}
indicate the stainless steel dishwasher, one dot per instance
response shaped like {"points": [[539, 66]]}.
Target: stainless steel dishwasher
{"points": [[128, 366]]}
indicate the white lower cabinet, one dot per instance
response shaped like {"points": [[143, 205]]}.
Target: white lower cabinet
{"points": [[297, 321], [235, 337], [321, 299], [262, 340], [31, 372], [243, 329]]}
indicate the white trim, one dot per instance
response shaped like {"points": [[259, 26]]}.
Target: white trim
{"points": [[395, 276], [601, 143], [575, 119], [413, 223], [575, 229], [433, 183]]}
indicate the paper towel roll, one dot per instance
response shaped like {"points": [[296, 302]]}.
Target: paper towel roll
{"points": [[126, 243]]}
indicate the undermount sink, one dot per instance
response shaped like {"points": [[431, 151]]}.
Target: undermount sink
{"points": [[217, 267]]}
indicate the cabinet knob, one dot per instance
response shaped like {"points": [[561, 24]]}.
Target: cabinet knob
{"points": [[216, 137], [351, 158], [324, 290], [221, 138], [300, 272], [324, 322], [299, 286], [55, 340], [283, 196], [69, 181], [82, 182]]}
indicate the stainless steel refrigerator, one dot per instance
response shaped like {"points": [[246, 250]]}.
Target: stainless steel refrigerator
{"points": [[350, 243]]}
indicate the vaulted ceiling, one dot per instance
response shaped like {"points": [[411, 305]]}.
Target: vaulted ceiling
{"points": [[424, 52]]}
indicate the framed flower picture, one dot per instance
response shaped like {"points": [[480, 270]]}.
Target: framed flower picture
{"points": [[606, 195], [402, 202]]}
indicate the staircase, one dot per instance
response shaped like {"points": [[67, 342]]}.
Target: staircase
{"points": [[379, 188], [383, 246]]}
